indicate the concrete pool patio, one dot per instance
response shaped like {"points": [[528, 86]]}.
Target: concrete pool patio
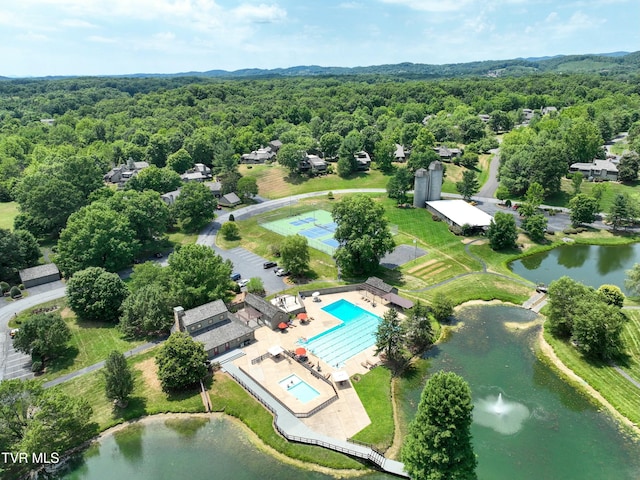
{"points": [[346, 415]]}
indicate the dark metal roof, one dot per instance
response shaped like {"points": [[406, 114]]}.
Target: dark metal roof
{"points": [[261, 305], [39, 272], [203, 312], [377, 283]]}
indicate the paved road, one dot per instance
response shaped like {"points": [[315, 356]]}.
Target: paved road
{"points": [[489, 188]]}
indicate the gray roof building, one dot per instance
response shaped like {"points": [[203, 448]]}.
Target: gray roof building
{"points": [[38, 275]]}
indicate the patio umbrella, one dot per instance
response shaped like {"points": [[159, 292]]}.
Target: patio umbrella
{"points": [[283, 326], [315, 294], [301, 351], [302, 316]]}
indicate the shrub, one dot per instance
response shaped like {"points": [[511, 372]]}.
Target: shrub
{"points": [[4, 287], [435, 218], [275, 250], [21, 286], [15, 292], [36, 366], [456, 230], [467, 230], [507, 203], [330, 196]]}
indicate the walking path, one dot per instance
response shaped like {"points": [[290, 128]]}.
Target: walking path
{"points": [[290, 427]]}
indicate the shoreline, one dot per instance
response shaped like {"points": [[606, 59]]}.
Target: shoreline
{"points": [[578, 382]]}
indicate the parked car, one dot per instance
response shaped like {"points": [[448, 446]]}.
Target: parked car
{"points": [[14, 332], [243, 283], [266, 265], [281, 272], [235, 277], [541, 288]]}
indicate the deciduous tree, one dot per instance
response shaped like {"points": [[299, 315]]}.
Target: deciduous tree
{"points": [[198, 275], [43, 336], [438, 445], [442, 307], [181, 362], [96, 295], [294, 254], [399, 184], [502, 231], [147, 311], [195, 207], [161, 180], [362, 232], [469, 185], [247, 187], [583, 209]]}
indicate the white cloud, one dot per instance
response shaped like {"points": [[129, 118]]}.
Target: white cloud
{"points": [[77, 23], [432, 5], [259, 13], [100, 39]]}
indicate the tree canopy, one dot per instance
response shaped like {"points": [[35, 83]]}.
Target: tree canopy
{"points": [[362, 232], [502, 231], [195, 206], [181, 362], [96, 295], [438, 445], [294, 253]]}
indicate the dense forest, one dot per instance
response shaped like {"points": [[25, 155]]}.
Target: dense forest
{"points": [[54, 169]]}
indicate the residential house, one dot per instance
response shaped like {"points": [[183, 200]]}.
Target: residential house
{"points": [[229, 200], [258, 156], [363, 160], [123, 173], [275, 145], [199, 173], [48, 121], [484, 117], [446, 154], [215, 187], [39, 275], [170, 197], [400, 154], [548, 110], [312, 163], [598, 169], [264, 312], [213, 325]]}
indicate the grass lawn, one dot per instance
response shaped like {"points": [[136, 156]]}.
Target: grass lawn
{"points": [[405, 397], [613, 188], [631, 338], [374, 390], [622, 394], [229, 397], [478, 287], [91, 342], [274, 181], [147, 397], [8, 211]]}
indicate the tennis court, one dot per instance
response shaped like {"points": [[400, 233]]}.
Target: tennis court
{"points": [[317, 225]]}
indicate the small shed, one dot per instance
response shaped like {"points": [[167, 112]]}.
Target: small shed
{"points": [[229, 200], [266, 312], [47, 273]]}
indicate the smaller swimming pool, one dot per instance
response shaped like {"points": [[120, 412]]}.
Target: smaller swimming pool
{"points": [[299, 388]]}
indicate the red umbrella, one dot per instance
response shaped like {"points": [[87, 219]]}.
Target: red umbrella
{"points": [[301, 351], [302, 316], [283, 326]]}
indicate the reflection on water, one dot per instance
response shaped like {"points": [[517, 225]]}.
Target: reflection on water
{"points": [[590, 264], [528, 424]]}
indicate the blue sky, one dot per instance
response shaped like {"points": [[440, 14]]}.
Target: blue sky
{"points": [[101, 37]]}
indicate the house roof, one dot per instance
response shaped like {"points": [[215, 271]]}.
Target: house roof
{"points": [[222, 332], [230, 199], [214, 186], [170, 197], [316, 161], [461, 213], [261, 305], [597, 164], [203, 312], [377, 283], [39, 272], [193, 176], [399, 153], [140, 165]]}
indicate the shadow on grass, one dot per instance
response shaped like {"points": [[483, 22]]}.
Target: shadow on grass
{"points": [[136, 408], [63, 361]]}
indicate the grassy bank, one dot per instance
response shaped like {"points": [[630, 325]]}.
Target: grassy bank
{"points": [[374, 390]]}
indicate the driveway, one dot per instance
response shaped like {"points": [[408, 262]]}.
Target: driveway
{"points": [[488, 190]]}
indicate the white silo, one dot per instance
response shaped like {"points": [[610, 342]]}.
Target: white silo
{"points": [[420, 188], [434, 187]]}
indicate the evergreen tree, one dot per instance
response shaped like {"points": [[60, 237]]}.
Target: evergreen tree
{"points": [[118, 379], [438, 445], [390, 336]]}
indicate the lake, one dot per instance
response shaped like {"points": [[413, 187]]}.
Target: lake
{"points": [[592, 265]]}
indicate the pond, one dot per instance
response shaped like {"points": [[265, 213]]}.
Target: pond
{"points": [[592, 265], [197, 449], [528, 423]]}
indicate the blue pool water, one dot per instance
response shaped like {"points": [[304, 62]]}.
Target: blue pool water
{"points": [[356, 333], [299, 388]]}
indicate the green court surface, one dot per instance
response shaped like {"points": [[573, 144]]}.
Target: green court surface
{"points": [[317, 225]]}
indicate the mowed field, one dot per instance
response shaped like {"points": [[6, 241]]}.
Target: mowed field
{"points": [[8, 212]]}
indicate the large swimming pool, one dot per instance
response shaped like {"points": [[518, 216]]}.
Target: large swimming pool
{"points": [[356, 333]]}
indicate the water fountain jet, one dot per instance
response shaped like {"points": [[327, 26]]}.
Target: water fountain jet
{"points": [[506, 417]]}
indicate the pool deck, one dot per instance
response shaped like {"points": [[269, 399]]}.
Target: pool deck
{"points": [[335, 423]]}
